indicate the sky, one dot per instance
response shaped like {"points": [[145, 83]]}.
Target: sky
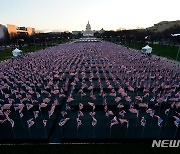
{"points": [[69, 15]]}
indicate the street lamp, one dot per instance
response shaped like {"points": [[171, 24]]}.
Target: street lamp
{"points": [[119, 38], [52, 40], [35, 42], [175, 35], [46, 41], [124, 39], [58, 40], [111, 38]]}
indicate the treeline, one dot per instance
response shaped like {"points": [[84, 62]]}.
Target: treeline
{"points": [[44, 39], [127, 36], [123, 37]]}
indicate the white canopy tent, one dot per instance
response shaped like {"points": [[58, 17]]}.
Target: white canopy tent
{"points": [[16, 52], [147, 49]]}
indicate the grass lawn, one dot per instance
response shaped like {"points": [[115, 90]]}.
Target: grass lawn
{"points": [[160, 50], [7, 53]]}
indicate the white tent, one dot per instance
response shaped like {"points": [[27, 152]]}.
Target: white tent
{"points": [[16, 52], [147, 49]]}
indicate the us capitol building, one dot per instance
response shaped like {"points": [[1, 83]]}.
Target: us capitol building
{"points": [[88, 32]]}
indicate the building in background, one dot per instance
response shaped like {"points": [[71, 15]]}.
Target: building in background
{"points": [[88, 32], [76, 32], [15, 30], [163, 25]]}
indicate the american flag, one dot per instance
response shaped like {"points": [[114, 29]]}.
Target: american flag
{"points": [[63, 121], [6, 107], [109, 112], [92, 114], [6, 113], [151, 111], [18, 107], [124, 121], [177, 121], [92, 104], [42, 105], [143, 121], [94, 121], [29, 106], [78, 122], [21, 114], [160, 120], [80, 113], [121, 113], [132, 110], [114, 121], [80, 106], [30, 122], [167, 111], [63, 113], [36, 114], [44, 122], [12, 122]]}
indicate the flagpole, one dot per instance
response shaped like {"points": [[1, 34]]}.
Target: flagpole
{"points": [[127, 128], [29, 133], [93, 131], [13, 133], [136, 121], [166, 119], [62, 132], [159, 131], [126, 132], [77, 132], [143, 131], [152, 120], [21, 122], [45, 132], [110, 132], [176, 131]]}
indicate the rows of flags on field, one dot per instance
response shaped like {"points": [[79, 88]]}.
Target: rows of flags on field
{"points": [[59, 75], [115, 119]]}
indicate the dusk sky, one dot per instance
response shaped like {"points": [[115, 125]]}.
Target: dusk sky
{"points": [[60, 15]]}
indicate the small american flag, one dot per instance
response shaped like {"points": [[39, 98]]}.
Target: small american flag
{"points": [[29, 106], [78, 122], [44, 122], [63, 121], [80, 106], [12, 123], [124, 121], [114, 121], [30, 122], [94, 122], [143, 122]]}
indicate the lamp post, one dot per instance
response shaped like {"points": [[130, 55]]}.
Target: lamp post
{"points": [[119, 38], [111, 38], [35, 42], [52, 40], [58, 40], [176, 35], [124, 40], [46, 41]]}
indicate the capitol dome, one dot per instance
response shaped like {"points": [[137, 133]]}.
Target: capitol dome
{"points": [[88, 27]]}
